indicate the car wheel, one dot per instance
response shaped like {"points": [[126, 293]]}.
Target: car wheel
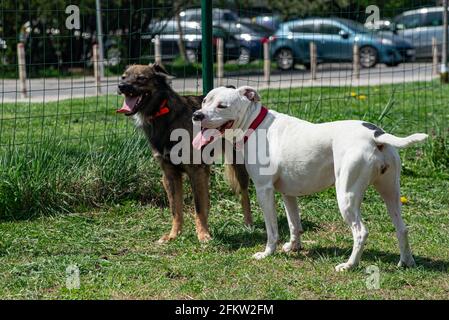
{"points": [[368, 57], [284, 58], [244, 56], [191, 56]]}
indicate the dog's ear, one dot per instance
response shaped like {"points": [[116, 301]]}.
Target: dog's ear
{"points": [[250, 93], [159, 69]]}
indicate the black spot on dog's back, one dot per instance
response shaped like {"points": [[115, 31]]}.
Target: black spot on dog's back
{"points": [[377, 131]]}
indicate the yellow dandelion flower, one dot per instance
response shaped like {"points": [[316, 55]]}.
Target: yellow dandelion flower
{"points": [[361, 97], [353, 94], [404, 200]]}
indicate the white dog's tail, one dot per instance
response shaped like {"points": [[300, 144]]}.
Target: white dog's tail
{"points": [[400, 142]]}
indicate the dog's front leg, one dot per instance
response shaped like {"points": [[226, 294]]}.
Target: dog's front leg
{"points": [[199, 180], [265, 196], [172, 181]]}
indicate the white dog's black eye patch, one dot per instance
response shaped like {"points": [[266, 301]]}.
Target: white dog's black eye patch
{"points": [[377, 131]]}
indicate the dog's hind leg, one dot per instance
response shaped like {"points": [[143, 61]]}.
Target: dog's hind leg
{"points": [[351, 182], [294, 224], [199, 180], [388, 185], [172, 181]]}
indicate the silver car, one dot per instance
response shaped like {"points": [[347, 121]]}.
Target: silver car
{"points": [[419, 27]]}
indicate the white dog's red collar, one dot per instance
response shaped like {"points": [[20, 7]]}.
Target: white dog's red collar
{"points": [[253, 126]]}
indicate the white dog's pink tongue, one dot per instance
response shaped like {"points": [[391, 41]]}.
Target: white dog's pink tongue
{"points": [[128, 105], [205, 137]]}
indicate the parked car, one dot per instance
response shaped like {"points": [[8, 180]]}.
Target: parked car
{"points": [[220, 16], [379, 25], [169, 35], [419, 27], [334, 39], [3, 45], [251, 37], [271, 21]]}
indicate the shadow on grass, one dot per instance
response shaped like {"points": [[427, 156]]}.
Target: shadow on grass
{"points": [[376, 255], [246, 239]]}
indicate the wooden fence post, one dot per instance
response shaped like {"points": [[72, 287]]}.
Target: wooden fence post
{"points": [[97, 71], [434, 56], [220, 64], [313, 60], [22, 69], [356, 61], [157, 50], [266, 61]]}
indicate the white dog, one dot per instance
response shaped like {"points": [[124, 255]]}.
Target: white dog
{"points": [[309, 158]]}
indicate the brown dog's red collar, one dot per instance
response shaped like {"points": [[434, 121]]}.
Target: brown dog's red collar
{"points": [[163, 109]]}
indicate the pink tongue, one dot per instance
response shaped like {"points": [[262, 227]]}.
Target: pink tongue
{"points": [[128, 105], [205, 137]]}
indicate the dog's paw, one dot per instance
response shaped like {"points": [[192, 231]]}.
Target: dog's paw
{"points": [[344, 267], [409, 263], [165, 238], [261, 255], [291, 246], [204, 237]]}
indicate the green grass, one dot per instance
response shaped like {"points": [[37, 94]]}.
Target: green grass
{"points": [[78, 187]]}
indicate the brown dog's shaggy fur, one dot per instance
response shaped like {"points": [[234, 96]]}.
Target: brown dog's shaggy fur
{"points": [[148, 85]]}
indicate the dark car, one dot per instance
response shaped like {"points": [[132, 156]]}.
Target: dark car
{"points": [[251, 37], [169, 35]]}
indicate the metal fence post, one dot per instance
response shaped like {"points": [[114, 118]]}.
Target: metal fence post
{"points": [[100, 38], [206, 46], [444, 70]]}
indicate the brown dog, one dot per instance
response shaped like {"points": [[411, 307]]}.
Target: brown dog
{"points": [[159, 110]]}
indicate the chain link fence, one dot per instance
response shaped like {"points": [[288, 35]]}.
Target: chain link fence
{"points": [[318, 60]]}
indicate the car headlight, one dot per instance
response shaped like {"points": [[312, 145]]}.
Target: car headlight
{"points": [[386, 42]]}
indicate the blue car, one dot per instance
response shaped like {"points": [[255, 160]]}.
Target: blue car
{"points": [[334, 39]]}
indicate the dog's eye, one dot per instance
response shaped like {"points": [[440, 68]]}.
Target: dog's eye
{"points": [[220, 106], [142, 78]]}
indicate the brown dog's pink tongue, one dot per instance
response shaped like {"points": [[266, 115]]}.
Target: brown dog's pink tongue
{"points": [[205, 137], [128, 105]]}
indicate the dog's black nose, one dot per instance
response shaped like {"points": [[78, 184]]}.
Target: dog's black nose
{"points": [[198, 116], [125, 87]]}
